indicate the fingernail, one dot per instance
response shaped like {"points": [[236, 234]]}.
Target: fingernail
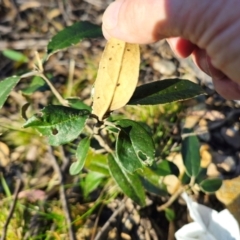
{"points": [[110, 17]]}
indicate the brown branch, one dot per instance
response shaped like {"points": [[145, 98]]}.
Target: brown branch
{"points": [[171, 199], [54, 91], [100, 140], [12, 208], [106, 226], [24, 44], [63, 196], [96, 222]]}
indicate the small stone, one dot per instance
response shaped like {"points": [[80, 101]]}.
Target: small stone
{"points": [[189, 77], [231, 136], [212, 170], [4, 154], [165, 67], [172, 183], [125, 236], [128, 224], [225, 162], [206, 157]]}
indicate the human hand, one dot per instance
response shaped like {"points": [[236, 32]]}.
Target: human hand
{"points": [[207, 30]]}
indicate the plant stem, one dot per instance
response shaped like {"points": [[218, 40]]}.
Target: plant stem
{"points": [[54, 91], [12, 208], [63, 196], [171, 199]]}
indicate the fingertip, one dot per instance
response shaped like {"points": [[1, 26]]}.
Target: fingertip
{"points": [[105, 33], [110, 16], [227, 88], [130, 21], [181, 47]]}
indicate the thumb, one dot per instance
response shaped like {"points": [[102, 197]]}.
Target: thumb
{"points": [[147, 21], [137, 21]]}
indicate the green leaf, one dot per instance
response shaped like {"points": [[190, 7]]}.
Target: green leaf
{"points": [[130, 184], [151, 182], [126, 153], [165, 168], [165, 91], [72, 35], [211, 185], [78, 104], [185, 179], [97, 163], [36, 84], [6, 86], [91, 183], [202, 175], [60, 124], [5, 186], [15, 56], [191, 155], [141, 140], [169, 214], [81, 155]]}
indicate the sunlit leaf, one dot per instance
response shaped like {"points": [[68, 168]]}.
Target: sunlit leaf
{"points": [[130, 184], [229, 195], [36, 84], [165, 91], [126, 153], [6, 86], [77, 103], [72, 35], [81, 154], [191, 154], [60, 124], [15, 55], [117, 76], [170, 214], [97, 163], [211, 185], [91, 182]]}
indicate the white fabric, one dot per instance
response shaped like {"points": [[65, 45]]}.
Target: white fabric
{"points": [[208, 224]]}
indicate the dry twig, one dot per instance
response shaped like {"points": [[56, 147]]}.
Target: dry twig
{"points": [[106, 226], [12, 208], [171, 199], [63, 197]]}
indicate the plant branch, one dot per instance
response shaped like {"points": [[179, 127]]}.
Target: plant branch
{"points": [[63, 195], [171, 199], [106, 226], [63, 101], [12, 208], [70, 78], [100, 140], [96, 222]]}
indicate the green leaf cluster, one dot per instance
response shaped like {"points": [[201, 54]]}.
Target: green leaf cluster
{"points": [[192, 162], [133, 164]]}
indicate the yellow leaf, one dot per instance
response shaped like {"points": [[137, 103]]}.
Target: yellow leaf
{"points": [[117, 77], [229, 194]]}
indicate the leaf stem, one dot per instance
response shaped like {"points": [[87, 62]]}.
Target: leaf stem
{"points": [[171, 199], [39, 63], [100, 140], [63, 101], [12, 208]]}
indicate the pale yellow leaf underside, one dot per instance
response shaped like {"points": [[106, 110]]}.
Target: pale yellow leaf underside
{"points": [[117, 76]]}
